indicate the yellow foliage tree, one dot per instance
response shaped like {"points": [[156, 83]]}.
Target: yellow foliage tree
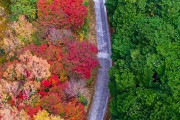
{"points": [[44, 115]]}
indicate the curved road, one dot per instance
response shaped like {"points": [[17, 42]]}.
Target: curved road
{"points": [[100, 99]]}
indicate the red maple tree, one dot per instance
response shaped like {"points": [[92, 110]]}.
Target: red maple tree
{"points": [[68, 14], [79, 59]]}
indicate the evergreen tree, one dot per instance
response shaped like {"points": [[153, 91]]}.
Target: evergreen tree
{"points": [[145, 79]]}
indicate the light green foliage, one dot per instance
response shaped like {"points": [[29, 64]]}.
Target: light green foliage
{"points": [[145, 79], [23, 7]]}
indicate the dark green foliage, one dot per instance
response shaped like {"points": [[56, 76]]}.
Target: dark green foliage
{"points": [[145, 79], [83, 100], [23, 7], [86, 3]]}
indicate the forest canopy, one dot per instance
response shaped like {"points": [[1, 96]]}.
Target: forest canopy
{"points": [[145, 79]]}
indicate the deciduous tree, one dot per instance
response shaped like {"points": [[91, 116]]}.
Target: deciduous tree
{"points": [[61, 13]]}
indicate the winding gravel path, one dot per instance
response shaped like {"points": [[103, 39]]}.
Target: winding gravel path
{"points": [[100, 99]]}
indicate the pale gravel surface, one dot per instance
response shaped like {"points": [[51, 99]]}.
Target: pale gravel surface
{"points": [[100, 99]]}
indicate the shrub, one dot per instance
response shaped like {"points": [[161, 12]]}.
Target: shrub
{"points": [[59, 36], [76, 88], [83, 100]]}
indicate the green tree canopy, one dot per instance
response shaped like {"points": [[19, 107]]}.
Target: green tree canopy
{"points": [[145, 79], [23, 7]]}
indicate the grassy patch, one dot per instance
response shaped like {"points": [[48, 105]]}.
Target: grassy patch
{"points": [[107, 114], [91, 37], [92, 23]]}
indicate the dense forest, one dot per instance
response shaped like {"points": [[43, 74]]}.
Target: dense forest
{"points": [[48, 59], [145, 79]]}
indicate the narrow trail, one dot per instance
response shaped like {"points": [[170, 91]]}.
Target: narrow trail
{"points": [[100, 99]]}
